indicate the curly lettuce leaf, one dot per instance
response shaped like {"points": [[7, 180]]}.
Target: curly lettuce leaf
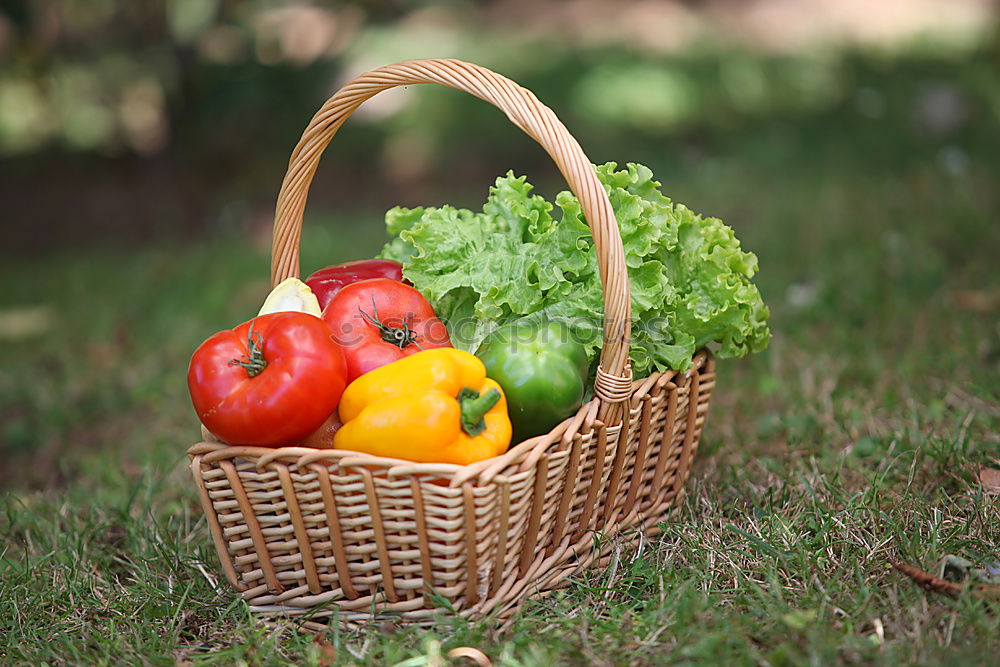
{"points": [[690, 281]]}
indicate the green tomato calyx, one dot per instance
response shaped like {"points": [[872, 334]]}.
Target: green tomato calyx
{"points": [[253, 362], [397, 336]]}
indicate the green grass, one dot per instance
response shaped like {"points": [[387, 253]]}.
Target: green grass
{"points": [[851, 442]]}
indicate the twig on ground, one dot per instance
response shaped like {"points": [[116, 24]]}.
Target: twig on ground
{"points": [[934, 584], [928, 581]]}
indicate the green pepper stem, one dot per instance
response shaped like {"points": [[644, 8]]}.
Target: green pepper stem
{"points": [[474, 406]]}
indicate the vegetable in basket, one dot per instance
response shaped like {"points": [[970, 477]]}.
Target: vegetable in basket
{"points": [[690, 281], [542, 369], [271, 381], [379, 321], [291, 294], [326, 282], [436, 406], [322, 438]]}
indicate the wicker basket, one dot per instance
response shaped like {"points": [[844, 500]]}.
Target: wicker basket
{"points": [[302, 531]]}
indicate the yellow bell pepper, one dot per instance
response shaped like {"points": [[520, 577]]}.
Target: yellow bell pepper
{"points": [[435, 406]]}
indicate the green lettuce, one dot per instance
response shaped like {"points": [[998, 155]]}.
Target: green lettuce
{"points": [[690, 281]]}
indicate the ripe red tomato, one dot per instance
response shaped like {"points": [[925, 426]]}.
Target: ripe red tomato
{"points": [[380, 320], [322, 438], [271, 381]]}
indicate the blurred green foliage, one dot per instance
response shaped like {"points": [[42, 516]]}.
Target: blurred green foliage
{"points": [[209, 85]]}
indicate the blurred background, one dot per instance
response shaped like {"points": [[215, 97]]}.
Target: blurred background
{"points": [[133, 120], [852, 145]]}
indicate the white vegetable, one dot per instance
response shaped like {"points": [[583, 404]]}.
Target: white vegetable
{"points": [[291, 294]]}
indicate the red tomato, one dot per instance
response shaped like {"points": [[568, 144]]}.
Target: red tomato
{"points": [[326, 282], [379, 321], [270, 381], [322, 438]]}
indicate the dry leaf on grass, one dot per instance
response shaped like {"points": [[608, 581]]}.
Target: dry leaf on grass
{"points": [[977, 301], [28, 322], [989, 479], [471, 653], [327, 651]]}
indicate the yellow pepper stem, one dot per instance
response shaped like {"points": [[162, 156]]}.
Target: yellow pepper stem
{"points": [[474, 405]]}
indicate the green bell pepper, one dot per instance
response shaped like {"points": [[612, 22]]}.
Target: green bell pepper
{"points": [[542, 370]]}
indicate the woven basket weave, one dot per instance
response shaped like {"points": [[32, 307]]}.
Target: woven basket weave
{"points": [[311, 532]]}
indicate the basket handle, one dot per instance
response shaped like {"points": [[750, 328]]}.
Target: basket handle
{"points": [[522, 108]]}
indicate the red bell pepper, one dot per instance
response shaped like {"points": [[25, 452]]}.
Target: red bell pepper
{"points": [[326, 282]]}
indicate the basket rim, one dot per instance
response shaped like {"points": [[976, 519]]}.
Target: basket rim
{"points": [[302, 456]]}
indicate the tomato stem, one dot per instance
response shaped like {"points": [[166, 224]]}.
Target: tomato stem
{"points": [[398, 336], [253, 362], [474, 406]]}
